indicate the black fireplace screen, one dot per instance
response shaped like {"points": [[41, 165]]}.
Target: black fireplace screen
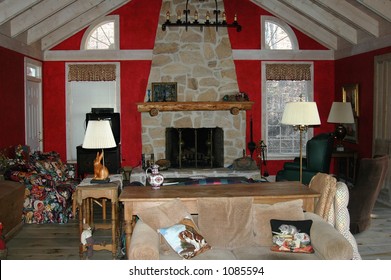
{"points": [[195, 147]]}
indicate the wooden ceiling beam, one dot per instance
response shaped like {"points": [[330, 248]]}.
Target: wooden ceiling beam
{"points": [[300, 22], [380, 7], [60, 18], [11, 8], [36, 14], [326, 19], [80, 22], [353, 14]]}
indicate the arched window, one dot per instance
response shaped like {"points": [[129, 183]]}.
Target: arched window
{"points": [[277, 35], [102, 35]]}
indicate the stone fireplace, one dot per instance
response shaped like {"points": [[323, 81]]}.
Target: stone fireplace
{"points": [[195, 147], [201, 64]]}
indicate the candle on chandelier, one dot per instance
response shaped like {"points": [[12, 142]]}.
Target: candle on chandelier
{"points": [[168, 15], [224, 17], [236, 18], [207, 15], [195, 15], [178, 15]]}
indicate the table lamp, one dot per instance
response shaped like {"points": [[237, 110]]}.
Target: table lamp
{"points": [[99, 136], [340, 113], [301, 115]]}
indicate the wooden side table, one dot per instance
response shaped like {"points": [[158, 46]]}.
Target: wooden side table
{"points": [[85, 192], [349, 170]]}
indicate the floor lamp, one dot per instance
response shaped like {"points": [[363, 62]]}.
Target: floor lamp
{"points": [[301, 115], [99, 136]]}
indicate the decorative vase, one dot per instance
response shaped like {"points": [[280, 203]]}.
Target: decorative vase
{"points": [[155, 179]]}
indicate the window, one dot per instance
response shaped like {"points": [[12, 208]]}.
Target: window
{"points": [[284, 83], [33, 71], [102, 35], [277, 35]]}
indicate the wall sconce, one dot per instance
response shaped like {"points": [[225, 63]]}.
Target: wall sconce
{"points": [[186, 23]]}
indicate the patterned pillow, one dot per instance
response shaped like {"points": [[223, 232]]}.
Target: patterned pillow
{"points": [[291, 236], [184, 238]]}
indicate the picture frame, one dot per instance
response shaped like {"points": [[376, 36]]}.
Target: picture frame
{"points": [[164, 92], [352, 131], [350, 94]]}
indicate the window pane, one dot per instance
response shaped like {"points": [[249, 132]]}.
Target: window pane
{"points": [[283, 139], [102, 37], [276, 38], [33, 71]]}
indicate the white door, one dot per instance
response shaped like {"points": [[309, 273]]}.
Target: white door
{"points": [[33, 105]]}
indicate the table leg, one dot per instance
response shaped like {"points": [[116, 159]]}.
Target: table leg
{"points": [[81, 247], [309, 204], [128, 224], [114, 228], [104, 208]]}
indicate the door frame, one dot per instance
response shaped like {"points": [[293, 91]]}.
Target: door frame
{"points": [[38, 79]]}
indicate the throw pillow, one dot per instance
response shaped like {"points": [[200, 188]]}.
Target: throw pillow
{"points": [[291, 236], [165, 214], [185, 239], [226, 222], [263, 213]]}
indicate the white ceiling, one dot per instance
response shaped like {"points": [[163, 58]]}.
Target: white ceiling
{"points": [[339, 25]]}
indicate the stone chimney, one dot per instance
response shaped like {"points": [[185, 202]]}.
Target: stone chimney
{"points": [[201, 63]]}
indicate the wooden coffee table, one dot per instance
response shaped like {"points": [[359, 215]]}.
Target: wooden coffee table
{"points": [[135, 199]]}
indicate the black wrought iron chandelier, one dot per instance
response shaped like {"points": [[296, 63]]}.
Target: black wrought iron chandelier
{"points": [[207, 23]]}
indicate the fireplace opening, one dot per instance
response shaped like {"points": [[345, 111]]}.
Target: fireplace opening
{"points": [[195, 147]]}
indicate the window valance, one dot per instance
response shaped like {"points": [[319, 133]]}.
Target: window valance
{"points": [[282, 71], [91, 72]]}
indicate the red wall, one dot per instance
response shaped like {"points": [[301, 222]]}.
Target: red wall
{"points": [[12, 98], [249, 71], [139, 33], [359, 69], [138, 24]]}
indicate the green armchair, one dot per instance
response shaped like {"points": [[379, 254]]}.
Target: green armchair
{"points": [[318, 158]]}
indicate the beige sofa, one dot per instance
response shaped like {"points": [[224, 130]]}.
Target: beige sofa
{"points": [[235, 228]]}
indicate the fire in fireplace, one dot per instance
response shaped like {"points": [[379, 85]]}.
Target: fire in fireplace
{"points": [[195, 147]]}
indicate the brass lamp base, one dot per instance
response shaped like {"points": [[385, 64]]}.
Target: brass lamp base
{"points": [[340, 133]]}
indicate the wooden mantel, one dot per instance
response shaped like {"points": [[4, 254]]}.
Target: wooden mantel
{"points": [[155, 107]]}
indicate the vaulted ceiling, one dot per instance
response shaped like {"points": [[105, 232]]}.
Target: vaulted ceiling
{"points": [[337, 24]]}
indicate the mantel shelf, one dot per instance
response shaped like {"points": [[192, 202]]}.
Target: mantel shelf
{"points": [[155, 107]]}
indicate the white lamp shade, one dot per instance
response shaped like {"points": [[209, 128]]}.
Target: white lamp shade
{"points": [[301, 113], [99, 135], [341, 112]]}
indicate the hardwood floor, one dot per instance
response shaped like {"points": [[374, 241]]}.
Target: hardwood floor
{"points": [[375, 243], [57, 241], [61, 242]]}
